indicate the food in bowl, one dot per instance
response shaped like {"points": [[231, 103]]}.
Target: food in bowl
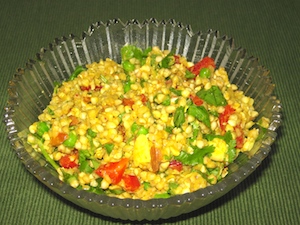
{"points": [[153, 126]]}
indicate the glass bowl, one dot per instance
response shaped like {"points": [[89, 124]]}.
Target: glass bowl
{"points": [[30, 91]]}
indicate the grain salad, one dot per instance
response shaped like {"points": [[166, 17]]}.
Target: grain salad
{"points": [[153, 126]]}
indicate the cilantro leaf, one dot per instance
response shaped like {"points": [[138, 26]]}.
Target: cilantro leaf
{"points": [[212, 96]]}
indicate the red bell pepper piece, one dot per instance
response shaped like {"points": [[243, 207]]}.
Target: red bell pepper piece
{"points": [[196, 100], [239, 136], [224, 117], [176, 165], [177, 59], [74, 120], [114, 170], [143, 98], [204, 63], [58, 139], [98, 88], [68, 161], [85, 88], [131, 182], [88, 88], [127, 102]]}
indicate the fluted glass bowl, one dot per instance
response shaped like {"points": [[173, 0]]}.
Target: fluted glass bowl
{"points": [[30, 91]]}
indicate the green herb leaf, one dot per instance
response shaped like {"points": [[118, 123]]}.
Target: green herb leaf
{"points": [[146, 185], [108, 147], [91, 133], [212, 96], [231, 151], [166, 101], [179, 117], [175, 91], [189, 74], [200, 113], [167, 61], [196, 157], [83, 160]]}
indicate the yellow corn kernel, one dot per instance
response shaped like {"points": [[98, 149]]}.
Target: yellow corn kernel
{"points": [[111, 125], [105, 184], [185, 93], [156, 114], [170, 109]]}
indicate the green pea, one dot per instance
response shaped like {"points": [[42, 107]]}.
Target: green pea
{"points": [[70, 142], [134, 127], [143, 130], [126, 86], [205, 73]]}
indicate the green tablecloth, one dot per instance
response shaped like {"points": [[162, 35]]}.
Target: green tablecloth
{"points": [[268, 29]]}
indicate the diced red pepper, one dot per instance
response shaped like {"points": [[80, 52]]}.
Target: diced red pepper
{"points": [[58, 139], [114, 170], [239, 136], [224, 117], [143, 98], [74, 120], [68, 161], [177, 59], [196, 100], [88, 88], [87, 99], [131, 182], [176, 165], [127, 102], [155, 158], [98, 88], [204, 63], [85, 88]]}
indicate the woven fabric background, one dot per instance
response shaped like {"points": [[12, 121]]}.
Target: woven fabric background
{"points": [[268, 29]]}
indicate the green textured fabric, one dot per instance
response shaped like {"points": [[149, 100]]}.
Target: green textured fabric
{"points": [[268, 29]]}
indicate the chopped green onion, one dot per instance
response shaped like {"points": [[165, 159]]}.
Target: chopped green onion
{"points": [[71, 140], [76, 72], [128, 66], [42, 127]]}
